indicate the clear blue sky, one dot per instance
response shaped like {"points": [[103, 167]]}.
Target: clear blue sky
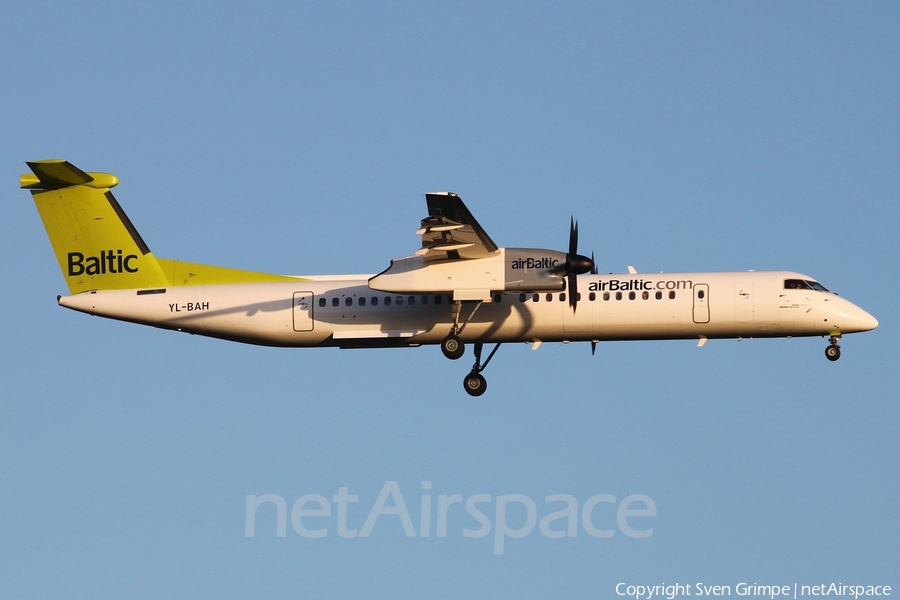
{"points": [[300, 138]]}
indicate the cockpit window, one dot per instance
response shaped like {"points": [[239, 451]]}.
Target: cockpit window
{"points": [[801, 284]]}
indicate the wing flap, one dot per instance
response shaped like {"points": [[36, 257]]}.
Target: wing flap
{"points": [[451, 228]]}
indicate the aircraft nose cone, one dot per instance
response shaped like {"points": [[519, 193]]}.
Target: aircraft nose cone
{"points": [[859, 320], [866, 321]]}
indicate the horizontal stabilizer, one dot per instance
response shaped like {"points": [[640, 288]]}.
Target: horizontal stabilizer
{"points": [[56, 173]]}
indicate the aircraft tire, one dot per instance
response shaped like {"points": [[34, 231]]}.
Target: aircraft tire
{"points": [[833, 352], [475, 384], [452, 347]]}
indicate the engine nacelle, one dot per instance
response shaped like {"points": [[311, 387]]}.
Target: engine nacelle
{"points": [[510, 269], [532, 269]]}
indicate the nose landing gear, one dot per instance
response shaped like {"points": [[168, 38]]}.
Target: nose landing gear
{"points": [[474, 383], [833, 350]]}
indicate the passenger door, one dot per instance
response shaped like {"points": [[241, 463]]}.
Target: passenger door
{"points": [[743, 302]]}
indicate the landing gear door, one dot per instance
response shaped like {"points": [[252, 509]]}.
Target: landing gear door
{"points": [[701, 303], [303, 311]]}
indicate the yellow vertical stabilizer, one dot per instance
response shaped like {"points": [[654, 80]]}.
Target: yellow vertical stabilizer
{"points": [[96, 244], [94, 241]]}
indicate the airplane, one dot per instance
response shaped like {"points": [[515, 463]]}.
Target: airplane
{"points": [[459, 288]]}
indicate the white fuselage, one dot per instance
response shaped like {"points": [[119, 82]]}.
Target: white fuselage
{"points": [[345, 312]]}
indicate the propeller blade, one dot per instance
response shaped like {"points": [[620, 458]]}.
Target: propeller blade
{"points": [[573, 237], [593, 347], [576, 264], [573, 291], [594, 268]]}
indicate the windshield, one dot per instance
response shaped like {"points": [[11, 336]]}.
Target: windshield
{"points": [[804, 284]]}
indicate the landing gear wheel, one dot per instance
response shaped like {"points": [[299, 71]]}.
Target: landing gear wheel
{"points": [[452, 347], [475, 384], [833, 352]]}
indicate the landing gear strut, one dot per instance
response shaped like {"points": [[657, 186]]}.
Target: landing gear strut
{"points": [[452, 346], [833, 350], [474, 383]]}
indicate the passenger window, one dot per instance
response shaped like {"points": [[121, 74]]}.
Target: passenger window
{"points": [[671, 295], [321, 301], [437, 299], [562, 297], [362, 300], [399, 301], [618, 295], [387, 300], [522, 297], [335, 302], [412, 300], [549, 297], [497, 298], [631, 295], [592, 296], [701, 294], [536, 297], [577, 296], [645, 295], [374, 300], [659, 295], [605, 296], [348, 301], [424, 300]]}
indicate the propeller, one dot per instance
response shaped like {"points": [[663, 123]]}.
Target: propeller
{"points": [[576, 264], [593, 272]]}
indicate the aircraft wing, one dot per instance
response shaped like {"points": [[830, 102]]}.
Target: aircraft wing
{"points": [[451, 232]]}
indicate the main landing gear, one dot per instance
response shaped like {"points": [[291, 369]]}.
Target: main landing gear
{"points": [[452, 346], [474, 383], [833, 350]]}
